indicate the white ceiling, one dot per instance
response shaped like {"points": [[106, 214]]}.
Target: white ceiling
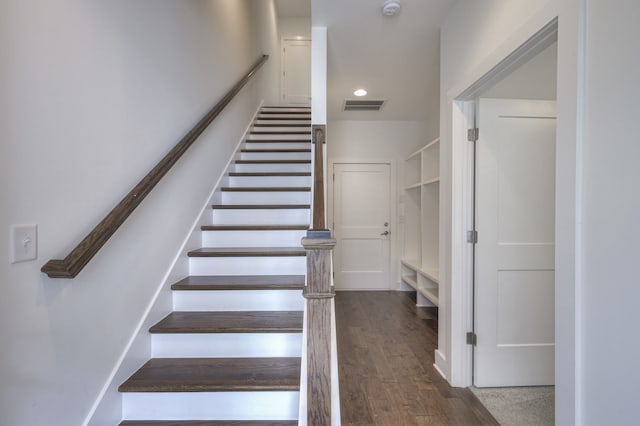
{"points": [[395, 58]]}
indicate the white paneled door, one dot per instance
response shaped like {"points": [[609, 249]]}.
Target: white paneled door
{"points": [[361, 226], [296, 72], [515, 220]]}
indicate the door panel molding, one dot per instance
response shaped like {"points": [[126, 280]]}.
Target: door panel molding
{"points": [[393, 268]]}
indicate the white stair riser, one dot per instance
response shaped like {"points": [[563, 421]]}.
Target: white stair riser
{"points": [[273, 167], [268, 181], [226, 345], [238, 300], [275, 156], [277, 145], [285, 265], [267, 197], [210, 405], [261, 216], [273, 238], [279, 137]]}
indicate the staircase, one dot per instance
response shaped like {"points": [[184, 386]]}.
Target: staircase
{"points": [[230, 351]]}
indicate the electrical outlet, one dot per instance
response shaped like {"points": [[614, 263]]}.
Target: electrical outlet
{"points": [[24, 243]]}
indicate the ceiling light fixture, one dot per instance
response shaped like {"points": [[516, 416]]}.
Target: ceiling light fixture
{"points": [[360, 92], [391, 7]]}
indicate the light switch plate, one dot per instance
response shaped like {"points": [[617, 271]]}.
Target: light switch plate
{"points": [[24, 243]]}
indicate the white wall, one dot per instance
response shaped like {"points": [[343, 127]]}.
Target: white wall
{"points": [[536, 79], [392, 141], [597, 178], [93, 95], [610, 211], [476, 37], [294, 27]]}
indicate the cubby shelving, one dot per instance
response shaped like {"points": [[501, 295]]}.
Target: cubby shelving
{"points": [[419, 265]]}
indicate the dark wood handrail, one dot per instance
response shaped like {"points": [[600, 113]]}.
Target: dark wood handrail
{"points": [[78, 258]]}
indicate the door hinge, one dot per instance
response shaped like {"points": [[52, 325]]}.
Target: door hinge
{"points": [[472, 339], [472, 237], [473, 134]]}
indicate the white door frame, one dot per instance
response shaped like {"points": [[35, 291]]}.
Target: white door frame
{"points": [[463, 115], [393, 197]]}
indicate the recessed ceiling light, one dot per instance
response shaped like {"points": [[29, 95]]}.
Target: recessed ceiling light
{"points": [[360, 92]]}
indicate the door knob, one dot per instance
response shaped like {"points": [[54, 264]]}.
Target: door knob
{"points": [[385, 233]]}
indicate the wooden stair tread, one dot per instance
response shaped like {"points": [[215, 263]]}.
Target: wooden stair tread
{"points": [[276, 151], [279, 125], [302, 121], [278, 140], [260, 206], [254, 227], [230, 322], [247, 252], [265, 189], [268, 174], [240, 282], [281, 132], [273, 161], [285, 112], [209, 423], [215, 375]]}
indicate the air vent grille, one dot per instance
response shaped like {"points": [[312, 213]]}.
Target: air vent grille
{"points": [[362, 105]]}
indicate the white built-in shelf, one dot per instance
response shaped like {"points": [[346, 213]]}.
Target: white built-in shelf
{"points": [[421, 250], [410, 281], [430, 181], [411, 264], [425, 183], [427, 146], [431, 293], [431, 274]]}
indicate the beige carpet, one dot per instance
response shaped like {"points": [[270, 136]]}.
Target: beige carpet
{"points": [[519, 406]]}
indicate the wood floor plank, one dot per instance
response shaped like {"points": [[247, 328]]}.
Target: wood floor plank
{"points": [[215, 375], [385, 358], [230, 322]]}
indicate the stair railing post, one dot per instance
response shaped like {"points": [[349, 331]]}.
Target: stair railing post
{"points": [[319, 293], [318, 139]]}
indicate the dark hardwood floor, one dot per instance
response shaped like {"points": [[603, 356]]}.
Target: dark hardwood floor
{"points": [[386, 354]]}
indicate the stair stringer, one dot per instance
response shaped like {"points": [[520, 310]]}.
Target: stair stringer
{"points": [[107, 408]]}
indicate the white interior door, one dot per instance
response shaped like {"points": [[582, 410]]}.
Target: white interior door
{"points": [[361, 226], [515, 220], [296, 72]]}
